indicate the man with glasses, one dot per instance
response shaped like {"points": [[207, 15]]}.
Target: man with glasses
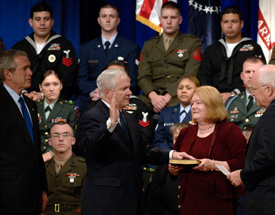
{"points": [[65, 172], [258, 175], [242, 108]]}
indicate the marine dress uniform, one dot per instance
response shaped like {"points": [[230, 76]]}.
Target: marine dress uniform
{"points": [[62, 110], [65, 187], [238, 114], [160, 70]]}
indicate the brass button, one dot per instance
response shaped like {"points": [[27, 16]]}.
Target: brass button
{"points": [[244, 128], [46, 126], [231, 120], [246, 120], [46, 133], [46, 140], [44, 147]]}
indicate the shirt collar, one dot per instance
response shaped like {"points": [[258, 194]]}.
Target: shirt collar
{"points": [[187, 109], [51, 105], [110, 40], [12, 93]]}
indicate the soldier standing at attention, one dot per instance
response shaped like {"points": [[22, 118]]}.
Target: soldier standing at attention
{"points": [[165, 59], [65, 173]]}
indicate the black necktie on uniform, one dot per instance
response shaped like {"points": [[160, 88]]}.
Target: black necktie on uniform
{"points": [[107, 49], [124, 125], [47, 109], [182, 113], [250, 103]]}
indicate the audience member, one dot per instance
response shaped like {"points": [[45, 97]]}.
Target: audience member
{"points": [[53, 109], [65, 173], [23, 178], [222, 61], [242, 109], [96, 54], [175, 114], [115, 151], [204, 189], [48, 50], [165, 59], [258, 174], [2, 46], [164, 191]]}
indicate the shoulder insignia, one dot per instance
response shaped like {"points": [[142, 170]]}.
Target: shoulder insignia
{"points": [[70, 102], [76, 109], [197, 54]]}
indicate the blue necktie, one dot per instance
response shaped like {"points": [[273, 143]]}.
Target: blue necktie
{"points": [[107, 49], [184, 115], [26, 117], [124, 125]]}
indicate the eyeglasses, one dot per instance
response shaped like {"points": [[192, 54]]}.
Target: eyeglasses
{"points": [[253, 90], [65, 134]]}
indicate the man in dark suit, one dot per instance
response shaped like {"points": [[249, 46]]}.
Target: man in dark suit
{"points": [[96, 54], [22, 171], [115, 151], [258, 176]]}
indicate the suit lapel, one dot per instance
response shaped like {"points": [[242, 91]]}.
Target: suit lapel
{"points": [[67, 168], [188, 117], [113, 51], [99, 50], [253, 109], [240, 103], [50, 168], [176, 43], [160, 45], [176, 114], [40, 109]]}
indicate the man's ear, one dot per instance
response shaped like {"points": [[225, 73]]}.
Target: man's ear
{"points": [[7, 74], [73, 141], [50, 141]]}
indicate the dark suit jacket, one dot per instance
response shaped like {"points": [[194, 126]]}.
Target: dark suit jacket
{"points": [[259, 174], [167, 118], [93, 61], [114, 164], [22, 170]]}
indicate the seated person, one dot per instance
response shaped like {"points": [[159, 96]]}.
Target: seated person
{"points": [[164, 191], [53, 109], [176, 114], [65, 173], [242, 108]]}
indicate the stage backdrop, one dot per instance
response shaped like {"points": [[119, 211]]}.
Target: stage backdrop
{"points": [[76, 20]]}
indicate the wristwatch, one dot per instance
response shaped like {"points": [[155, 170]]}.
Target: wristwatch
{"points": [[232, 94]]}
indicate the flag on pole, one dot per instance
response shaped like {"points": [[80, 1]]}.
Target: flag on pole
{"points": [[266, 23], [204, 20], [148, 12]]}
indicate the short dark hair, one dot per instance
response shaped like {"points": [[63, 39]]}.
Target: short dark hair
{"points": [[233, 9], [48, 73], [254, 59], [170, 5], [41, 6], [120, 63], [191, 78], [109, 6]]}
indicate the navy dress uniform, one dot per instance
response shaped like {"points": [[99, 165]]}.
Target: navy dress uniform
{"points": [[63, 110], [238, 114], [65, 187]]}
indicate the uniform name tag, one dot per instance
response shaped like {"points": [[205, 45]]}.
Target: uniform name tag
{"points": [[93, 61], [168, 124]]}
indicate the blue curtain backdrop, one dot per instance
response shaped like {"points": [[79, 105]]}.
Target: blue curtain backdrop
{"points": [[76, 20]]}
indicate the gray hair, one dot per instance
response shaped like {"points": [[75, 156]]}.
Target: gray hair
{"points": [[7, 61], [108, 80], [267, 75]]}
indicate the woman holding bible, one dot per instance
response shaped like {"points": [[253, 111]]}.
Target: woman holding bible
{"points": [[204, 189]]}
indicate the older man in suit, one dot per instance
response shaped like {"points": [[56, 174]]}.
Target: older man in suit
{"points": [[258, 176], [96, 54], [22, 170], [115, 151]]}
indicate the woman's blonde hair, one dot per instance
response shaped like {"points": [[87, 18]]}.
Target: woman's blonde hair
{"points": [[212, 100]]}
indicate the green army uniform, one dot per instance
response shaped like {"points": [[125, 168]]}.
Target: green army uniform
{"points": [[65, 187], [160, 70], [63, 111], [272, 59], [236, 108]]}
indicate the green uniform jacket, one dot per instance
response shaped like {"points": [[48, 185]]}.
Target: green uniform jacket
{"points": [[63, 110], [236, 108], [62, 190], [160, 70], [272, 60]]}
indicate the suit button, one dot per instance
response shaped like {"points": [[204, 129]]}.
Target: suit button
{"points": [[46, 126], [179, 186], [46, 133], [72, 162], [165, 59], [179, 206], [244, 128], [44, 147], [56, 185], [56, 193], [231, 120], [246, 120], [166, 67]]}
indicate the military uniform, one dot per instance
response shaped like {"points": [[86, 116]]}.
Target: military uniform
{"points": [[58, 54], [65, 187], [2, 46], [272, 59], [236, 108], [63, 111], [160, 70]]}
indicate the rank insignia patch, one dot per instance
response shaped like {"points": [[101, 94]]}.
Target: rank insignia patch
{"points": [[67, 62]]}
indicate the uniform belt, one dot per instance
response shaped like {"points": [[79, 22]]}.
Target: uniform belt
{"points": [[62, 207]]}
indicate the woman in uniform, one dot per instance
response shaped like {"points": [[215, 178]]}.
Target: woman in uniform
{"points": [[52, 109]]}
